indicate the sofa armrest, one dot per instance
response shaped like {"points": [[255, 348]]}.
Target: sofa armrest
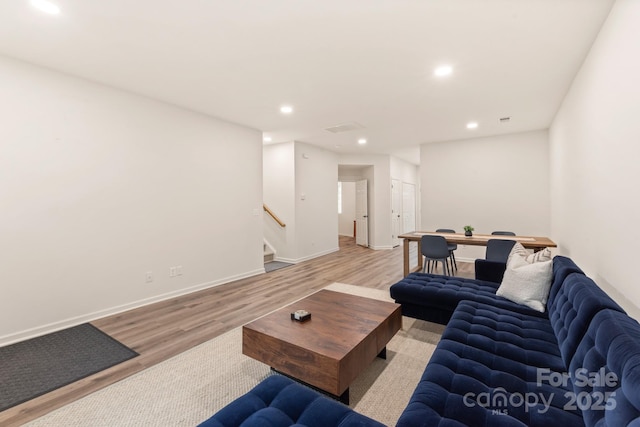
{"points": [[491, 271]]}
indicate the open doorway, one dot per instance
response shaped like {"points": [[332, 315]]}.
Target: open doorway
{"points": [[354, 182], [347, 208]]}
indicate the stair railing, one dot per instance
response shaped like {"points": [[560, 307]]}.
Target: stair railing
{"points": [[274, 216]]}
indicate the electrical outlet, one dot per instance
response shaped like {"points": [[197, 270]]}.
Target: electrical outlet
{"points": [[148, 276], [172, 272], [179, 270]]}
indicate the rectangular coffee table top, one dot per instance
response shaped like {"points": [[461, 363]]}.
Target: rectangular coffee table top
{"points": [[343, 336]]}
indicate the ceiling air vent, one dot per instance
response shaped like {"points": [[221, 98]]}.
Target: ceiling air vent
{"points": [[344, 127]]}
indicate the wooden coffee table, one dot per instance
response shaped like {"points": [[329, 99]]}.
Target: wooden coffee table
{"points": [[343, 336]]}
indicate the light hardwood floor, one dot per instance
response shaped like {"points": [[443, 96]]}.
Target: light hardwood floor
{"points": [[162, 330]]}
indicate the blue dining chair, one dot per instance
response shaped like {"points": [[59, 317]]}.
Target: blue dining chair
{"points": [[503, 233], [435, 249], [452, 247], [493, 266]]}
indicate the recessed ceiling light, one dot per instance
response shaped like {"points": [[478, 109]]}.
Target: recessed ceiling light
{"points": [[286, 109], [45, 6], [443, 71], [472, 125], [362, 141], [266, 139]]}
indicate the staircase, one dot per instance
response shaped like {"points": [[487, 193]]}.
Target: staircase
{"points": [[268, 253]]}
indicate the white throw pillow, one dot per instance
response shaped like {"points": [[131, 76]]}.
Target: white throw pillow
{"points": [[527, 284], [540, 256], [518, 249]]}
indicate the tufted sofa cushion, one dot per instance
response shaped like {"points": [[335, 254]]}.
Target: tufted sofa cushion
{"points": [[486, 353], [562, 268], [433, 297], [610, 349], [280, 402], [572, 309]]}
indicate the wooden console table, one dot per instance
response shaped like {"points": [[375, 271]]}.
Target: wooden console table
{"points": [[529, 242]]}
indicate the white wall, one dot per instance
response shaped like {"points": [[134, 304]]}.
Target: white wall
{"points": [[100, 186], [294, 171], [348, 215], [316, 201], [404, 171], [494, 183], [594, 159], [279, 196]]}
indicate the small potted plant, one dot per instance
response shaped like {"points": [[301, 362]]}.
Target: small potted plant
{"points": [[468, 230]]}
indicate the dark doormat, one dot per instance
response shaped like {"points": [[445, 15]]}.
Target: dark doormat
{"points": [[275, 265], [37, 366]]}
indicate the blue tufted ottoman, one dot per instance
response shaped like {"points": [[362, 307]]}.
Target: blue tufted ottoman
{"points": [[279, 402]]}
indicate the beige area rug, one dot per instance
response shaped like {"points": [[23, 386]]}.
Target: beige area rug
{"points": [[188, 388]]}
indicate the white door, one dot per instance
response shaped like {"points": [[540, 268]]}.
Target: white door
{"points": [[408, 207], [396, 211], [362, 214]]}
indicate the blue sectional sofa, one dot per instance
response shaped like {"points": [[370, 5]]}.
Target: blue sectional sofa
{"points": [[502, 364], [498, 363]]}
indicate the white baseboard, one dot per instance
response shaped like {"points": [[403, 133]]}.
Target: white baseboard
{"points": [[308, 257], [74, 321], [381, 248]]}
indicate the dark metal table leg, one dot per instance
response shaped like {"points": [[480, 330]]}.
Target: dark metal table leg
{"points": [[383, 353]]}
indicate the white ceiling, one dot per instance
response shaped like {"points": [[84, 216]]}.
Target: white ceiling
{"points": [[335, 61]]}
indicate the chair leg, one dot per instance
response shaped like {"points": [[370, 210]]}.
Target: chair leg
{"points": [[453, 257], [445, 267], [431, 266], [427, 266]]}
